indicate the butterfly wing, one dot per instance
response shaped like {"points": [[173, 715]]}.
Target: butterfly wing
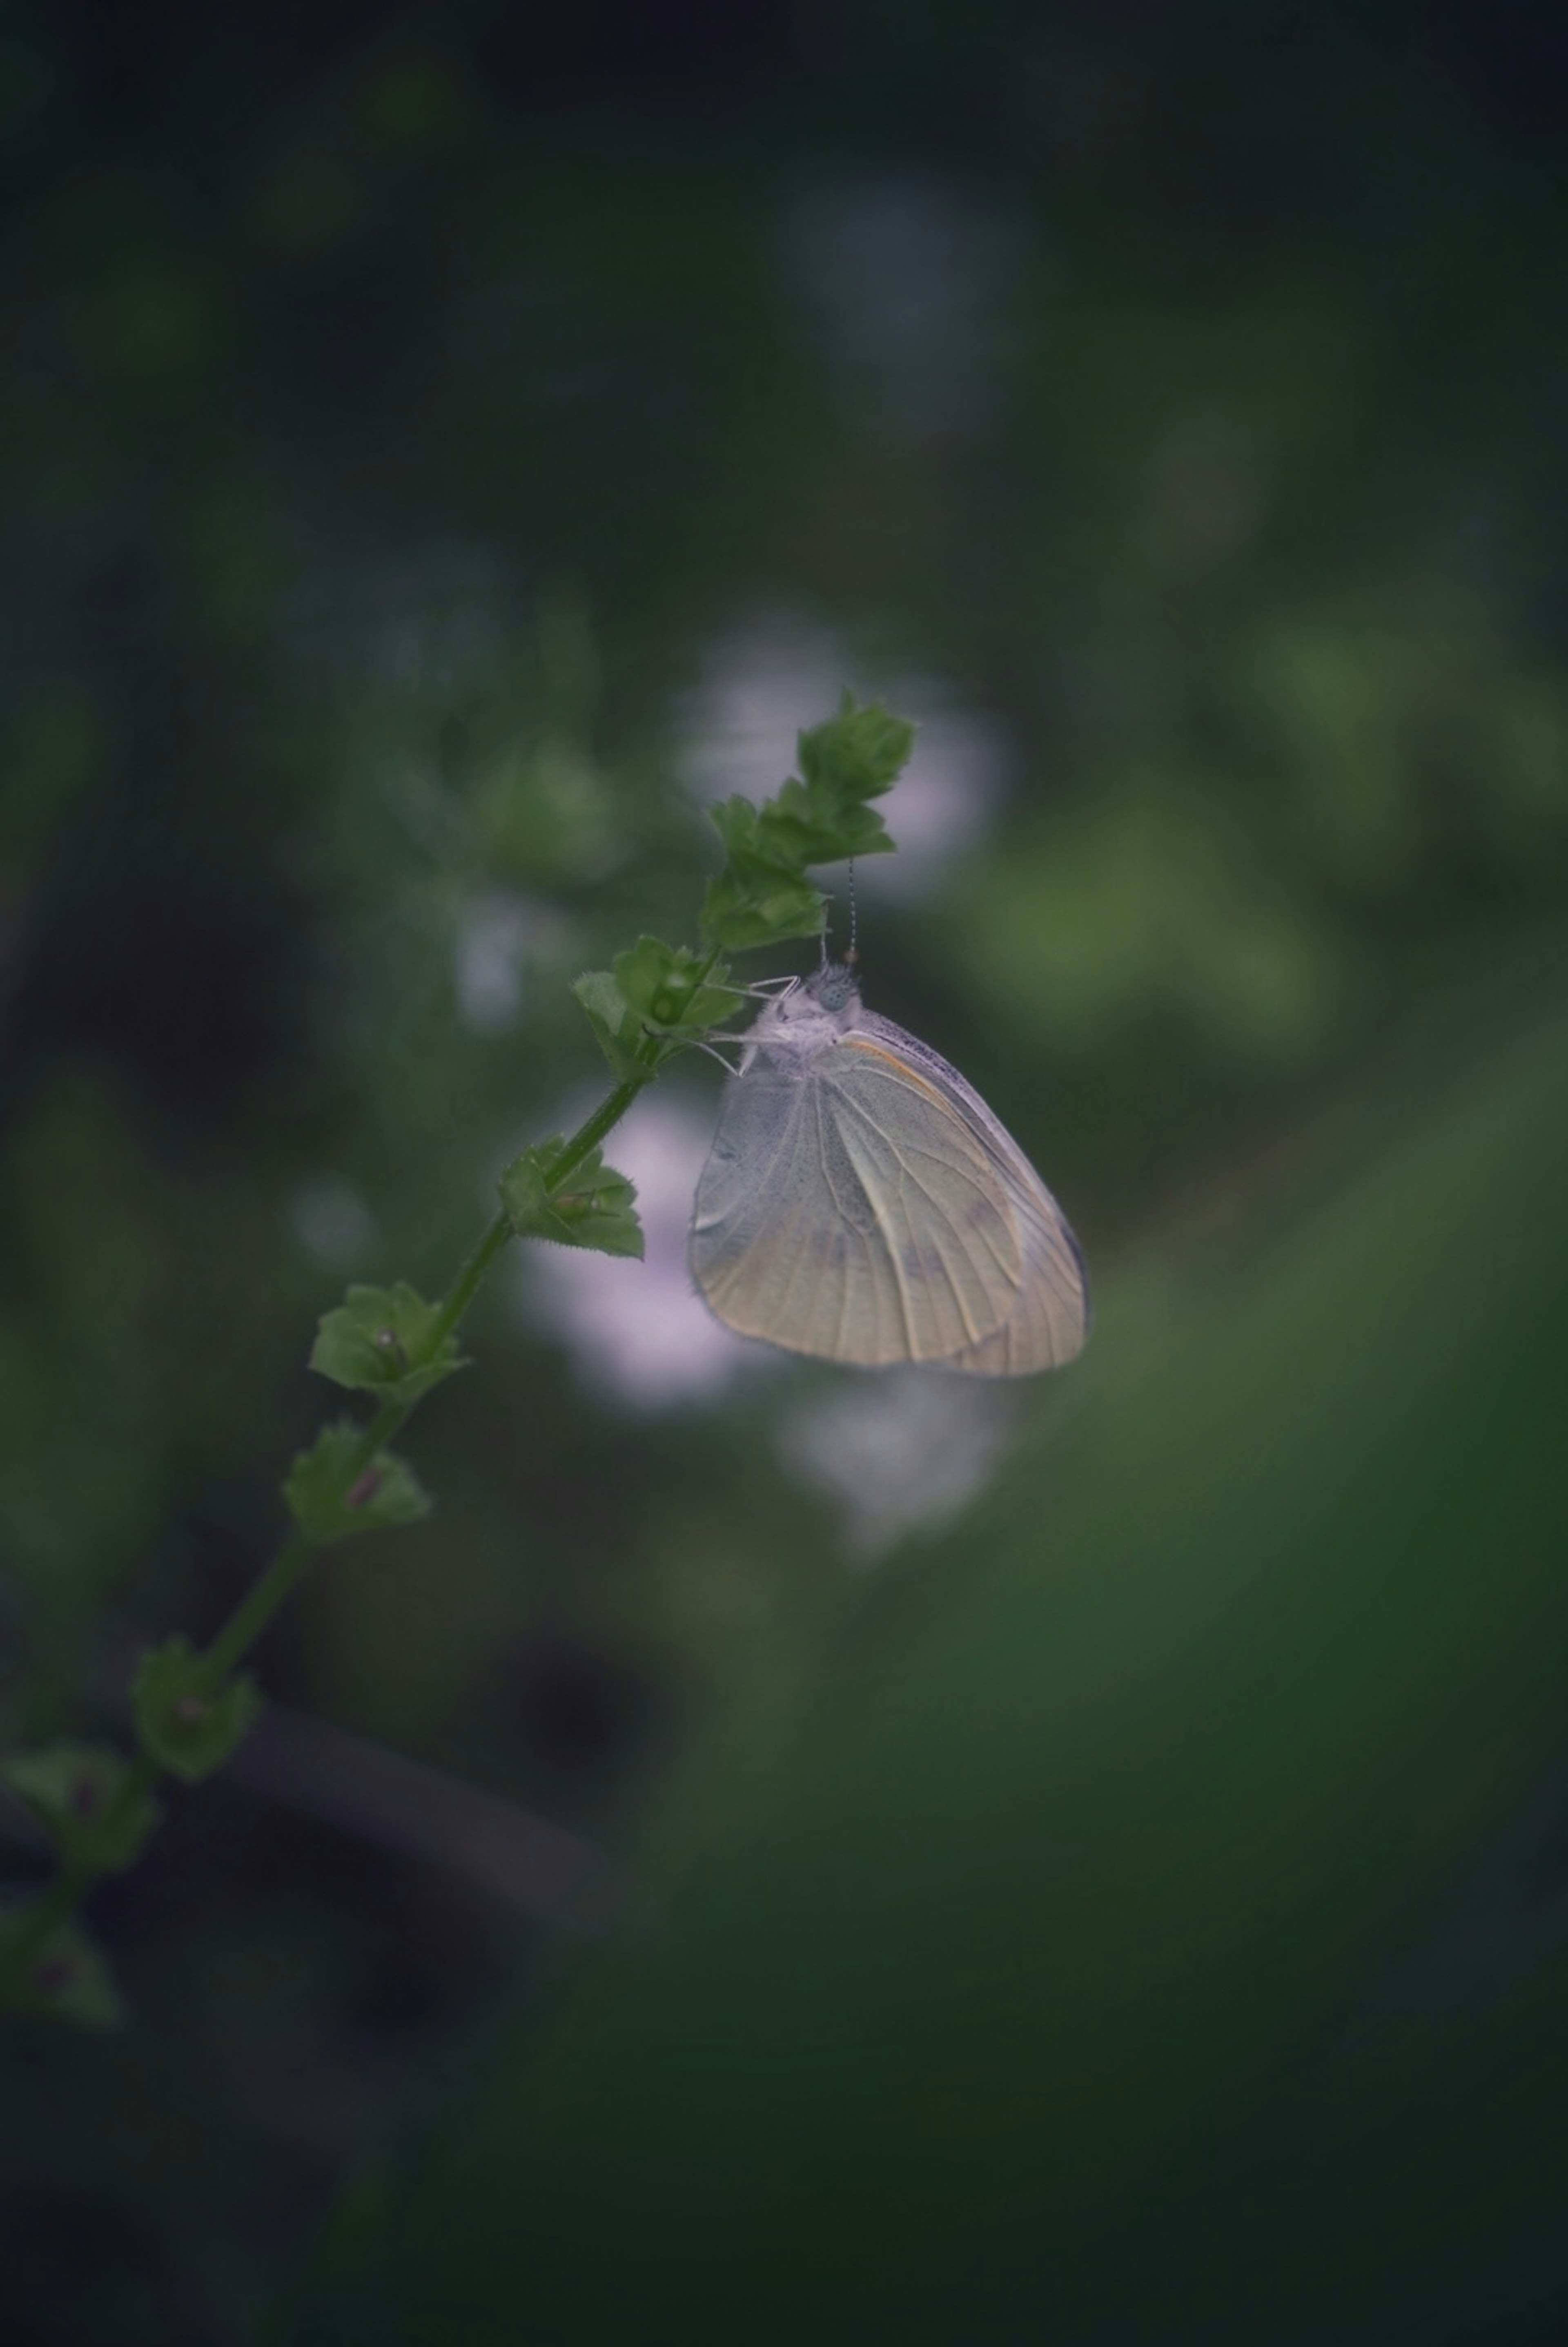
{"points": [[852, 1210], [1049, 1319]]}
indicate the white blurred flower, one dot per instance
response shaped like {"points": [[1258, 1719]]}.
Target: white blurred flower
{"points": [[500, 934], [901, 1451], [331, 1221]]}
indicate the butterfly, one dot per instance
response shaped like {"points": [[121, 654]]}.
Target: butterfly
{"points": [[862, 1204]]}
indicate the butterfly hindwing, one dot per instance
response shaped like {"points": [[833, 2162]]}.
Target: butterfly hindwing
{"points": [[1049, 1321]]}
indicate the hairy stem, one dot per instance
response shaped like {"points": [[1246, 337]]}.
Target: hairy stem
{"points": [[589, 1134]]}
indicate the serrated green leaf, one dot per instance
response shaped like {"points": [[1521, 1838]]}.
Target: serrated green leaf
{"points": [[616, 1024], [747, 908], [857, 755], [76, 1792], [592, 1208], [70, 1978], [796, 826], [672, 990], [381, 1340], [738, 825], [332, 1494], [819, 816], [188, 1730]]}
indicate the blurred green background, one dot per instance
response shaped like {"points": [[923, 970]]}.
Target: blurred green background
{"points": [[442, 451]]}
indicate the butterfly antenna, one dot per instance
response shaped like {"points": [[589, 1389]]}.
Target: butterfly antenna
{"points": [[853, 955]]}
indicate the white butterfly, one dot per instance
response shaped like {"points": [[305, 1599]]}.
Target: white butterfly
{"points": [[860, 1203]]}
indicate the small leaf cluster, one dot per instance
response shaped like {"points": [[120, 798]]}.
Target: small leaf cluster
{"points": [[70, 1978], [654, 1001], [672, 992], [333, 1490], [589, 1206], [385, 1341], [820, 816], [79, 1794], [188, 1727]]}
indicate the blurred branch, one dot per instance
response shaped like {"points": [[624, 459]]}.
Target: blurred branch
{"points": [[542, 1870], [416, 1812]]}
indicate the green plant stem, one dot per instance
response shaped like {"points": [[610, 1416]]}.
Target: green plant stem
{"points": [[255, 1609], [589, 1134], [30, 1928]]}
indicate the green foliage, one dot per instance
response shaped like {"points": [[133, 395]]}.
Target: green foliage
{"points": [[392, 1343], [70, 1978], [615, 1024], [655, 1001], [332, 1492], [76, 1792], [592, 1208], [852, 756], [383, 1340], [673, 990], [762, 895], [187, 1727]]}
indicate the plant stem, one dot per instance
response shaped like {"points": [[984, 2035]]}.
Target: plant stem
{"points": [[589, 1134], [466, 1285], [30, 1928], [255, 1609]]}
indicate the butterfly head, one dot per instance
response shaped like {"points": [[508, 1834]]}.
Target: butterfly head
{"points": [[836, 987], [809, 1017]]}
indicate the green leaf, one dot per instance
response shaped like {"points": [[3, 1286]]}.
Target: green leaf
{"points": [[70, 1978], [382, 1341], [795, 825], [75, 1792], [739, 914], [614, 1022], [591, 1208], [332, 1492], [819, 816], [857, 754], [761, 896], [187, 1727], [672, 990]]}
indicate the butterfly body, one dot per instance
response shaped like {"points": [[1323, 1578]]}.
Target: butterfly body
{"points": [[861, 1203]]}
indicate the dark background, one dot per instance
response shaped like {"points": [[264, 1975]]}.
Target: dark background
{"points": [[429, 441]]}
